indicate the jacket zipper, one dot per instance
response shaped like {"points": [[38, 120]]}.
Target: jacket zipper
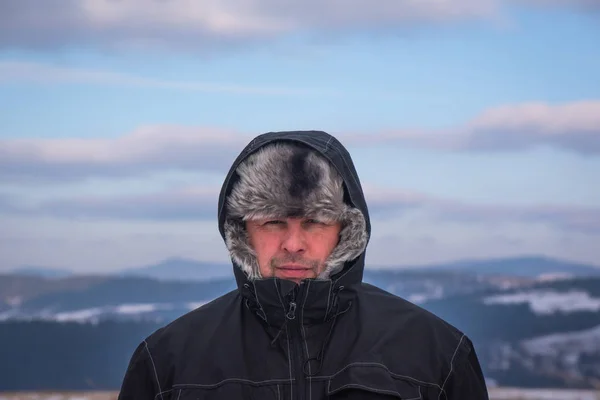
{"points": [[297, 356]]}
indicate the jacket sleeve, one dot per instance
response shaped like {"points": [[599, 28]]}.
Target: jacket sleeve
{"points": [[465, 381], [139, 382]]}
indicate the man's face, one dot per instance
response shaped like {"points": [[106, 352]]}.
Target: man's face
{"points": [[292, 248]]}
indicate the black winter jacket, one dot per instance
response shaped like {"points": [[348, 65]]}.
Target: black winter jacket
{"points": [[323, 339]]}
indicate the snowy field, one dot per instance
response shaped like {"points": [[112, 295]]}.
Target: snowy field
{"points": [[495, 394], [522, 394]]}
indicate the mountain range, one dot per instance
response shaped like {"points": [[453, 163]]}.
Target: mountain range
{"points": [[534, 321]]}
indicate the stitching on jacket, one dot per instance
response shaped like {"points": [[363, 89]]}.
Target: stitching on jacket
{"points": [[251, 145], [347, 165], [287, 337], [154, 367], [378, 365], [163, 392], [181, 386], [278, 393], [451, 367], [279, 295], [179, 395], [356, 385], [228, 380], [328, 298], [345, 273], [305, 343], [327, 144]]}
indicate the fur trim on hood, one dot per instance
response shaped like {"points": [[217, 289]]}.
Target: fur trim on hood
{"points": [[289, 180]]}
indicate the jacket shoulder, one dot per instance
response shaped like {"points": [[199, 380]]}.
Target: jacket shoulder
{"points": [[423, 341], [406, 313], [165, 349]]}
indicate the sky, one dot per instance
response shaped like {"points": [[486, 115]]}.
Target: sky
{"points": [[474, 124]]}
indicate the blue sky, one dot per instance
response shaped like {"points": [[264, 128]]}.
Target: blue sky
{"points": [[475, 126]]}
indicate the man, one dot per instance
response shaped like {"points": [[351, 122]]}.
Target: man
{"points": [[301, 324]]}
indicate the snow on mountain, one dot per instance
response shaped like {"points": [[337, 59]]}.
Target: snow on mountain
{"points": [[76, 316], [546, 302], [573, 355], [570, 344], [556, 276], [434, 292], [94, 314], [139, 308]]}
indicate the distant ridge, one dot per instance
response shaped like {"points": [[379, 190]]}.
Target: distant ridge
{"points": [[181, 269], [184, 269], [42, 272], [523, 266]]}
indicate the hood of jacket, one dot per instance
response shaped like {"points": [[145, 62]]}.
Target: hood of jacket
{"points": [[330, 149]]}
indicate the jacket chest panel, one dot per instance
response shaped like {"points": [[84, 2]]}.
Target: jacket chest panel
{"points": [[354, 383]]}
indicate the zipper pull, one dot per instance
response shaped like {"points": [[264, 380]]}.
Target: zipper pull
{"points": [[291, 314]]}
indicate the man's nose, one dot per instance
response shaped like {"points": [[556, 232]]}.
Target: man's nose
{"points": [[294, 241]]}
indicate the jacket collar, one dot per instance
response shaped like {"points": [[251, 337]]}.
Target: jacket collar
{"points": [[313, 301]]}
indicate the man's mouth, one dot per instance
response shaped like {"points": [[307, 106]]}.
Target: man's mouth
{"points": [[294, 272], [294, 267]]}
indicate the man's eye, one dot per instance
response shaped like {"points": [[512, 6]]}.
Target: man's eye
{"points": [[313, 221]]}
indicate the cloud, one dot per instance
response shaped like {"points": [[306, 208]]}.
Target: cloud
{"points": [[187, 203], [586, 5], [8, 204], [574, 126], [183, 204], [205, 24], [180, 204], [200, 204], [384, 203], [217, 24], [571, 126], [565, 218], [147, 149], [20, 71]]}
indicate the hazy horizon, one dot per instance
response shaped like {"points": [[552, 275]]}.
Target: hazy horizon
{"points": [[229, 265]]}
